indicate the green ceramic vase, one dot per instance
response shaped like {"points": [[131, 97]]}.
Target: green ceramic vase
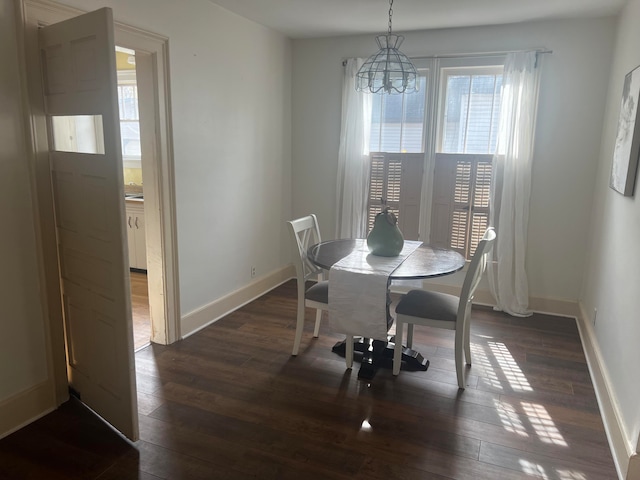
{"points": [[385, 238]]}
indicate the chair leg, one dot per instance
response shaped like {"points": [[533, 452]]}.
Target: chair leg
{"points": [[299, 328], [467, 345], [316, 329], [409, 335], [397, 350], [348, 355], [459, 351]]}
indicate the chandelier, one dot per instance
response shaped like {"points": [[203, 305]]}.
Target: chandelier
{"points": [[389, 70]]}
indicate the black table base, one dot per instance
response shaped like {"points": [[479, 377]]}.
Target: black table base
{"points": [[376, 354]]}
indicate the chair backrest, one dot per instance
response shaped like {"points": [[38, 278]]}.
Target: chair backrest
{"points": [[304, 233], [476, 269]]}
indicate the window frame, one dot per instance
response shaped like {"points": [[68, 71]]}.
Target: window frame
{"points": [[483, 65], [437, 71], [428, 67]]}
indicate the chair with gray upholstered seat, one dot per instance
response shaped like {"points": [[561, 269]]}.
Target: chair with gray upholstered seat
{"points": [[305, 232], [440, 310]]}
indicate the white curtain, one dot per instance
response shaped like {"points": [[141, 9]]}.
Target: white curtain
{"points": [[512, 183], [353, 157]]}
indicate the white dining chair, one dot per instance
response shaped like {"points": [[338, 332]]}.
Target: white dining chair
{"points": [[441, 310], [304, 233]]}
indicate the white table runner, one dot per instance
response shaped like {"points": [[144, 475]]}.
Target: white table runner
{"points": [[358, 286]]}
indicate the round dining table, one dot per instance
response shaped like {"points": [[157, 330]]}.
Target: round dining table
{"points": [[424, 262]]}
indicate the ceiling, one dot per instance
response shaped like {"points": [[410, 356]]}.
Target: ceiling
{"points": [[323, 18]]}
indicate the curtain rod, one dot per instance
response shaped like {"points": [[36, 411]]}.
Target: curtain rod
{"points": [[477, 54]]}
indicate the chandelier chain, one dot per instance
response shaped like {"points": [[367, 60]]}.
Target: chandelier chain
{"points": [[390, 14]]}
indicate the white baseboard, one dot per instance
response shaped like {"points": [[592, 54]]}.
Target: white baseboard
{"points": [[625, 459], [20, 410], [554, 306], [204, 316]]}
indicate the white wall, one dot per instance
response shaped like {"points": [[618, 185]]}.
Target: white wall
{"points": [[612, 279], [23, 360], [26, 381], [572, 101], [231, 116]]}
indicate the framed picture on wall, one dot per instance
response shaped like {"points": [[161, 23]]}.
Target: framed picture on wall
{"points": [[627, 147]]}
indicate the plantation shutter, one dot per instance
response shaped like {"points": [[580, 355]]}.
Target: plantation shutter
{"points": [[444, 182], [396, 182], [409, 219], [377, 187], [461, 191]]}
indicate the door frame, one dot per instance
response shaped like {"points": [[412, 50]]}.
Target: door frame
{"points": [[160, 210], [157, 171]]}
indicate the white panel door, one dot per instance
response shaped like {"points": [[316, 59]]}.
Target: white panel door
{"points": [[79, 78]]}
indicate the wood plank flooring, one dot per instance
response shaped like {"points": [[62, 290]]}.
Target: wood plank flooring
{"points": [[140, 310], [230, 402]]}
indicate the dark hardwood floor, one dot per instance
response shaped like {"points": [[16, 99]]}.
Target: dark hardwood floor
{"points": [[231, 403]]}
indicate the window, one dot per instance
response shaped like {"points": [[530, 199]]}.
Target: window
{"points": [[463, 124], [468, 131], [129, 120], [397, 121], [397, 157], [471, 108], [129, 117]]}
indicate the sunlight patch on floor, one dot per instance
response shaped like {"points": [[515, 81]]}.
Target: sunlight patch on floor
{"points": [[543, 424], [510, 368], [571, 475], [531, 468], [479, 355], [510, 419], [498, 359], [537, 470]]}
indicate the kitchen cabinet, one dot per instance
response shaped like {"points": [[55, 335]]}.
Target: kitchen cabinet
{"points": [[136, 235]]}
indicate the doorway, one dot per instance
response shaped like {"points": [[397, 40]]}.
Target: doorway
{"points": [[132, 154]]}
